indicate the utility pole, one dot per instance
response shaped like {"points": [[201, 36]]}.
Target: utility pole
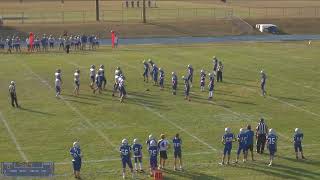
{"points": [[97, 10], [144, 11]]}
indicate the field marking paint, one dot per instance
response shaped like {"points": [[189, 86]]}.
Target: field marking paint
{"points": [[287, 103], [77, 65], [13, 138], [240, 116], [168, 120], [174, 124], [74, 109], [284, 80]]}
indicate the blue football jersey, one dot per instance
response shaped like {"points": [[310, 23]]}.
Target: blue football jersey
{"points": [[137, 150], [250, 135], [242, 138], [75, 153], [297, 138], [125, 151], [272, 141], [153, 151], [227, 139], [177, 144]]}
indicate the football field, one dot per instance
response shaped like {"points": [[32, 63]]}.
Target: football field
{"points": [[45, 127]]}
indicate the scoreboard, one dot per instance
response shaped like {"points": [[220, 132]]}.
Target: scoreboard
{"points": [[40, 169]]}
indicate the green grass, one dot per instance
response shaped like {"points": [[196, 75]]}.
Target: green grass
{"points": [[46, 127], [115, 11]]}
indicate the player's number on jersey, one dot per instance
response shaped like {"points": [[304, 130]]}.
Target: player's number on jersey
{"points": [[124, 152], [272, 140], [153, 152], [229, 139]]}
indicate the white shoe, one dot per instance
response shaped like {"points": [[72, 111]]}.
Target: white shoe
{"points": [[270, 164]]}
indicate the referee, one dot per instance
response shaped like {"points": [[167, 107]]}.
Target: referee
{"points": [[13, 95], [261, 134]]}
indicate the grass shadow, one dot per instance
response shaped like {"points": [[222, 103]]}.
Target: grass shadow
{"points": [[36, 111]]}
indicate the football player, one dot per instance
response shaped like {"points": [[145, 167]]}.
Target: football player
{"points": [[186, 88], [190, 74], [177, 142], [153, 153], [161, 78], [250, 135], [61, 42], [146, 70], [215, 65], [125, 154], [174, 80], [98, 81], [92, 75], [163, 146], [58, 82], [263, 83], [122, 89], [227, 140], [242, 139], [104, 80], [117, 74], [150, 138], [155, 74], [272, 144], [297, 143], [137, 154], [75, 152], [202, 79], [51, 41], [76, 82], [151, 65], [211, 86]]}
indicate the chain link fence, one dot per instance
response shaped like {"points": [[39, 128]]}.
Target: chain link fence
{"points": [[127, 15]]}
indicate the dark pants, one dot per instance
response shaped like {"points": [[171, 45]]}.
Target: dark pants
{"points": [[67, 49], [14, 100], [219, 76], [261, 143]]}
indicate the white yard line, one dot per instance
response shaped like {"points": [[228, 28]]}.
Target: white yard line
{"points": [[176, 125], [13, 138], [288, 104], [77, 65], [168, 120], [74, 109]]}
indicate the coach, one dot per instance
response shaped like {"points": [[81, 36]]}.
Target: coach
{"points": [[261, 133]]}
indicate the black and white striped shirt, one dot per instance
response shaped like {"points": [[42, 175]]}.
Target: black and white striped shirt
{"points": [[262, 128]]}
